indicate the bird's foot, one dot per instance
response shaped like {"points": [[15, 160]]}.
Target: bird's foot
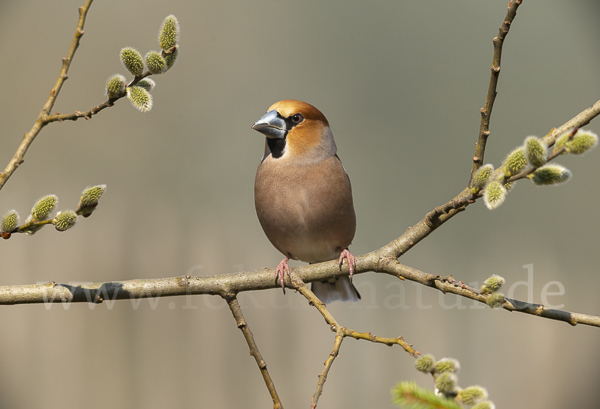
{"points": [[281, 269], [349, 259]]}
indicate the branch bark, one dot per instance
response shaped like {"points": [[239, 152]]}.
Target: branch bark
{"points": [[382, 260], [486, 111], [236, 310]]}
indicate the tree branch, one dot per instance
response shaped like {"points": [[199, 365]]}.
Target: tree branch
{"points": [[486, 111], [449, 285], [383, 260], [236, 310], [340, 333], [17, 158], [74, 116]]}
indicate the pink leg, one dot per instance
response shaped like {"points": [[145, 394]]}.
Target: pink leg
{"points": [[281, 269], [349, 259]]}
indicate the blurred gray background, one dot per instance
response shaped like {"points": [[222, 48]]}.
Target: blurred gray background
{"points": [[401, 82]]}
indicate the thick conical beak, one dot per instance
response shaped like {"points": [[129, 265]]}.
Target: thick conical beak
{"points": [[271, 125]]}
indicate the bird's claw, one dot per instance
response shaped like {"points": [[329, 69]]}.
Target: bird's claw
{"points": [[281, 269], [350, 259]]}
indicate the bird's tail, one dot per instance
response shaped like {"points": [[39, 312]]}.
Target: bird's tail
{"points": [[337, 289]]}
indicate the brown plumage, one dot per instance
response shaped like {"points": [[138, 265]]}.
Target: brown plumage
{"points": [[302, 194]]}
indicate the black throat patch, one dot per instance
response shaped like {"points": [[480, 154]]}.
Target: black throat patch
{"points": [[276, 146]]}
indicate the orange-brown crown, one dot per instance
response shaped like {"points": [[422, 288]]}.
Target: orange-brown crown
{"points": [[313, 132]]}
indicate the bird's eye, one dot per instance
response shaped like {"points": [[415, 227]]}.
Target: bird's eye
{"points": [[297, 118]]}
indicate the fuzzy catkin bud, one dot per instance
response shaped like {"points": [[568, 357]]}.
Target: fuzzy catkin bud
{"points": [[484, 405], [425, 363], [515, 162], [481, 177], [582, 142], [446, 365], [65, 220], [561, 140], [169, 33], [115, 86], [147, 83], [155, 62], [132, 60], [492, 284], [550, 175], [10, 221], [89, 200], [494, 194], [140, 98], [446, 382], [472, 395], [535, 150], [43, 207], [495, 300]]}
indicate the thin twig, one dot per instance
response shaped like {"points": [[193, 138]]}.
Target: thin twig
{"points": [[340, 333], [387, 341], [236, 310], [17, 159], [327, 366], [486, 111], [303, 289]]}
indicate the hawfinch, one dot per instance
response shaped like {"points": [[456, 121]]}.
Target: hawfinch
{"points": [[303, 196]]}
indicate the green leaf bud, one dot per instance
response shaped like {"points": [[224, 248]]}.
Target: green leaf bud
{"points": [[515, 162], [550, 175], [425, 363], [155, 62], [484, 405], [43, 207], [481, 177], [494, 194], [115, 86], [446, 382], [147, 83], [89, 200], [172, 57], [169, 33], [140, 98], [495, 300], [471, 395], [492, 284], [132, 60], [582, 142], [535, 150], [10, 221], [446, 365], [65, 220]]}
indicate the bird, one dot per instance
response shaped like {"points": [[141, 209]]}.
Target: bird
{"points": [[303, 196]]}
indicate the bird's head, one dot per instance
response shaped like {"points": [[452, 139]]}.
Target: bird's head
{"points": [[296, 130]]}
